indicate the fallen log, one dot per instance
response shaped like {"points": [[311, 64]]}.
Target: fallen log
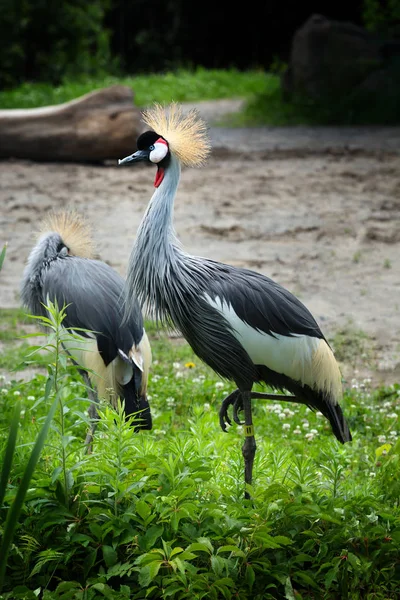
{"points": [[101, 125]]}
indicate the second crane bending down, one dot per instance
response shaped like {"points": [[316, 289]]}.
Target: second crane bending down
{"points": [[245, 326]]}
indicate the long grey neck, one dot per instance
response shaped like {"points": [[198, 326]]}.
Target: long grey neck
{"points": [[156, 247]]}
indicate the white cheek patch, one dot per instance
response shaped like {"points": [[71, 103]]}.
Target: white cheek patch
{"points": [[160, 151]]}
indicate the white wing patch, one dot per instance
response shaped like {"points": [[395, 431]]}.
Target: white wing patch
{"points": [[290, 356]]}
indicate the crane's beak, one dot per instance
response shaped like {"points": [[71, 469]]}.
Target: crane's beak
{"points": [[135, 157]]}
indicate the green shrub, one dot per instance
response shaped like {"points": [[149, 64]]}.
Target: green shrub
{"points": [[47, 41]]}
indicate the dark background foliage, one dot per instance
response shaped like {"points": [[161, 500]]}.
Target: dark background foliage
{"points": [[41, 40]]}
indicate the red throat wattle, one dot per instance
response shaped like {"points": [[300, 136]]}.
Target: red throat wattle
{"points": [[159, 176]]}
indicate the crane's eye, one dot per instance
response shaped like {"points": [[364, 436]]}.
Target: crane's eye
{"points": [[158, 151]]}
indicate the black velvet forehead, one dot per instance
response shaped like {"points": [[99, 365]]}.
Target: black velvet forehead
{"points": [[146, 139]]}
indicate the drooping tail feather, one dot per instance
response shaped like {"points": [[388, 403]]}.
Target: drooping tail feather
{"points": [[334, 414], [322, 401]]}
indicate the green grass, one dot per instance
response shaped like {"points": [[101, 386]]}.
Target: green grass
{"points": [[265, 103], [353, 346], [180, 86], [11, 323], [161, 514]]}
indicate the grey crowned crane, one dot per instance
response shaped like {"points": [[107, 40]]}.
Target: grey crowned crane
{"points": [[245, 326], [116, 356]]}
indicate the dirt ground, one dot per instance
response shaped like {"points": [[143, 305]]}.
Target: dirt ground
{"points": [[317, 209]]}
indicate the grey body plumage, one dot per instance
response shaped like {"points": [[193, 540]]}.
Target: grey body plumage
{"points": [[91, 291], [245, 326]]}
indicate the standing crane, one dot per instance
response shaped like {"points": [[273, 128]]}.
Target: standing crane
{"points": [[245, 326], [114, 356]]}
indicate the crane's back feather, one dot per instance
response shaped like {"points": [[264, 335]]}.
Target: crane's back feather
{"points": [[186, 134]]}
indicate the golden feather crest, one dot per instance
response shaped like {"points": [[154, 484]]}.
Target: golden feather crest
{"points": [[186, 133], [74, 231]]}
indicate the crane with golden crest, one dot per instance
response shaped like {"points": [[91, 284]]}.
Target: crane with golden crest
{"points": [[115, 356], [245, 326]]}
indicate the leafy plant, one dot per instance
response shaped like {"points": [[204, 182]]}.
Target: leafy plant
{"points": [[161, 514]]}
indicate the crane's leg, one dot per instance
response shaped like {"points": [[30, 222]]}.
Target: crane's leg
{"points": [[249, 446], [93, 414]]}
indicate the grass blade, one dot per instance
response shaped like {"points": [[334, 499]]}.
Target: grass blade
{"points": [[9, 452], [3, 255], [14, 512]]}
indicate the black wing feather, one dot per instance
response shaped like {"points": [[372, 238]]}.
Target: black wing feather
{"points": [[92, 290], [262, 303]]}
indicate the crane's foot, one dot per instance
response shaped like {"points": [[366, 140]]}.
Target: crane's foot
{"points": [[224, 419], [235, 400]]}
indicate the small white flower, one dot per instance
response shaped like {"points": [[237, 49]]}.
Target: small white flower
{"points": [[367, 427], [372, 517], [170, 401], [387, 405], [179, 374], [196, 380], [393, 433], [382, 439], [393, 416], [372, 474], [176, 365], [340, 511], [219, 385], [319, 415], [31, 398], [155, 377], [206, 406], [286, 426], [2, 377], [282, 415], [314, 431], [159, 432], [17, 393], [306, 425], [297, 431], [353, 405], [309, 436], [4, 391]]}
